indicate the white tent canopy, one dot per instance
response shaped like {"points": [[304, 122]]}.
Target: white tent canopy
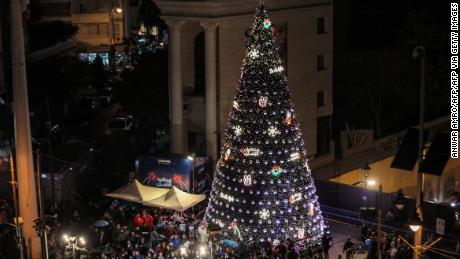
{"points": [[136, 192], [175, 199]]}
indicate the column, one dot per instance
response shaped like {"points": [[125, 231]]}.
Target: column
{"points": [[210, 29], [175, 88]]}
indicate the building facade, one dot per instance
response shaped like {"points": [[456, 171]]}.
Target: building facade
{"points": [[207, 43], [100, 22]]}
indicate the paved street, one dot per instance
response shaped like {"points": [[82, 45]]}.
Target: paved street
{"points": [[340, 232]]}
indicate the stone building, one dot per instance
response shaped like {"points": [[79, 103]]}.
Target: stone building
{"points": [[100, 22], [207, 44]]}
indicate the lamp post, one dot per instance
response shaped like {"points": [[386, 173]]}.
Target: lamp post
{"points": [[16, 208], [191, 158], [114, 10], [42, 222], [366, 168], [379, 221], [415, 223], [419, 52]]}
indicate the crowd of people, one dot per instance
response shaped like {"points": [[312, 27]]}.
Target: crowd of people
{"points": [[129, 231], [393, 245], [126, 230]]}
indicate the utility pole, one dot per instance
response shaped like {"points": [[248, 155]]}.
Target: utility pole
{"points": [[44, 236], [379, 222], [23, 142], [50, 153], [14, 185], [419, 52]]}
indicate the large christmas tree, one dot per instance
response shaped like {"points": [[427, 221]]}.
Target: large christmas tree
{"points": [[263, 189]]}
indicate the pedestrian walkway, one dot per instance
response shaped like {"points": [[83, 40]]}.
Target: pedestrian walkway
{"points": [[340, 232]]}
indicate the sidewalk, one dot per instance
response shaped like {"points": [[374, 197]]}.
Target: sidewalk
{"points": [[340, 232]]}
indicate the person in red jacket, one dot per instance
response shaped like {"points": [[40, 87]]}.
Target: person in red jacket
{"points": [[148, 220], [138, 220]]}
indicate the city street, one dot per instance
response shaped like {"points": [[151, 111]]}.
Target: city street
{"points": [[340, 232]]}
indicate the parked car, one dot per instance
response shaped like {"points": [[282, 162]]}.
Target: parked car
{"points": [[124, 123]]}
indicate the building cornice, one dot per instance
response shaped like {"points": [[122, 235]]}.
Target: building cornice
{"points": [[212, 9]]}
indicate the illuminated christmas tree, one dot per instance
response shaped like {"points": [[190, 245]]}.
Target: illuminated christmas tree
{"points": [[263, 189]]}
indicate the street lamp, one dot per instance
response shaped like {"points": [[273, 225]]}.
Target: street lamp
{"points": [[74, 243], [415, 223], [183, 252], [371, 182], [202, 251]]}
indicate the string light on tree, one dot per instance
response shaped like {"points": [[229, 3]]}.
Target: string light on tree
{"points": [[236, 105], [264, 170], [238, 130], [288, 119], [251, 151], [294, 156], [227, 197], [276, 170], [247, 180], [254, 54], [227, 154], [273, 131], [300, 233], [263, 101], [277, 69], [295, 197], [264, 214], [267, 23]]}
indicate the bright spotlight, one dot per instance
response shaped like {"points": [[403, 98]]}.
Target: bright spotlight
{"points": [[202, 250], [371, 182], [183, 250]]}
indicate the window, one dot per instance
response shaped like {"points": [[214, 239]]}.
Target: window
{"points": [[88, 29], [320, 27], [103, 29], [323, 135], [320, 62], [320, 99]]}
